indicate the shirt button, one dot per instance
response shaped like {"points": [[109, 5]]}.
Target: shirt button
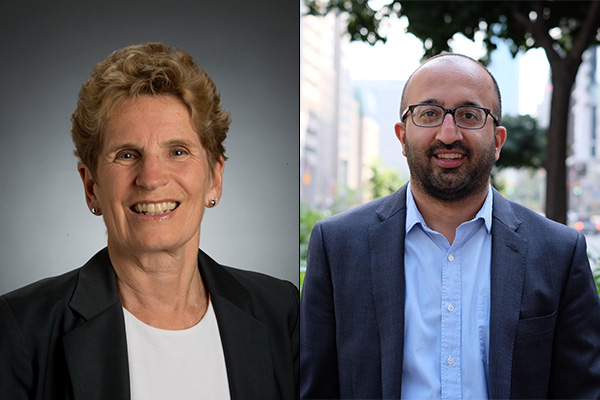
{"points": [[450, 258], [450, 307], [450, 360]]}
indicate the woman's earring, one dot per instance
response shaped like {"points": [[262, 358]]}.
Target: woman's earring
{"points": [[94, 211], [213, 202]]}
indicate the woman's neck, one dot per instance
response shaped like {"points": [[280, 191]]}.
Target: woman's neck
{"points": [[162, 289]]}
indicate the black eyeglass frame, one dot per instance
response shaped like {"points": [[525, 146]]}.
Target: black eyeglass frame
{"points": [[450, 111]]}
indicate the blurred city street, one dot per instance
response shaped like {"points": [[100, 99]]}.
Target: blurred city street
{"points": [[593, 243]]}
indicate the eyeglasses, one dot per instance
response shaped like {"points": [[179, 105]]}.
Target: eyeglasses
{"points": [[432, 115]]}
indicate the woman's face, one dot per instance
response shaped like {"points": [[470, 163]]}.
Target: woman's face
{"points": [[152, 178]]}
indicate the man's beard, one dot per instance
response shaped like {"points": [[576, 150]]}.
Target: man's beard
{"points": [[451, 184]]}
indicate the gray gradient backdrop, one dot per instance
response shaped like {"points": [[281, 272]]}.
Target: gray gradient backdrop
{"points": [[48, 48]]}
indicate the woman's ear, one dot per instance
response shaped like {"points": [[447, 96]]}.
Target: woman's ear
{"points": [[89, 186], [216, 188]]}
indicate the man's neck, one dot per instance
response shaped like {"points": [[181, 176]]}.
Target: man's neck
{"points": [[445, 217]]}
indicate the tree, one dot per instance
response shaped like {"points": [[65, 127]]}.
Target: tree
{"points": [[564, 29], [524, 148], [525, 143], [308, 218], [384, 180]]}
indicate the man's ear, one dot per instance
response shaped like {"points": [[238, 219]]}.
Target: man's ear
{"points": [[89, 185], [500, 139], [401, 135]]}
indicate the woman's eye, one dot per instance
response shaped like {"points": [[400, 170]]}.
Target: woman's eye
{"points": [[126, 156], [179, 153]]}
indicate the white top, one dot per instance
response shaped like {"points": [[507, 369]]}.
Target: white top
{"points": [[176, 364]]}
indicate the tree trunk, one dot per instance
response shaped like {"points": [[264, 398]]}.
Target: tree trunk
{"points": [[556, 151]]}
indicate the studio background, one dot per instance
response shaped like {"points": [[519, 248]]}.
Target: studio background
{"points": [[250, 50]]}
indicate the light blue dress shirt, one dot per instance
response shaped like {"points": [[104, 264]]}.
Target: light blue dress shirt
{"points": [[447, 307]]}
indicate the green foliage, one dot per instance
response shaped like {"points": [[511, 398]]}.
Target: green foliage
{"points": [[525, 143], [363, 22], [345, 198], [597, 279], [595, 262], [302, 273], [384, 180], [308, 218], [524, 24]]}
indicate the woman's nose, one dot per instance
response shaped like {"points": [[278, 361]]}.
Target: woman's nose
{"points": [[152, 173]]}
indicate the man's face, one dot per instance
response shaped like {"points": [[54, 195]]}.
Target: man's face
{"points": [[447, 162]]}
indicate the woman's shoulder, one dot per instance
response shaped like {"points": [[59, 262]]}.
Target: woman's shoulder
{"points": [[45, 292], [229, 281], [263, 285], [39, 308]]}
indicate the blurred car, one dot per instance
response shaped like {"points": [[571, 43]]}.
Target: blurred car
{"points": [[587, 226]]}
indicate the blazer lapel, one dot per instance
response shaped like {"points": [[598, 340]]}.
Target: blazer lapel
{"points": [[386, 249], [96, 350], [245, 341], [509, 250]]}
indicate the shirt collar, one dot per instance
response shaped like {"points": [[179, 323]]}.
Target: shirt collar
{"points": [[414, 217]]}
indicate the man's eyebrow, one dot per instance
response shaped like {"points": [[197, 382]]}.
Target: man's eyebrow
{"points": [[439, 103]]}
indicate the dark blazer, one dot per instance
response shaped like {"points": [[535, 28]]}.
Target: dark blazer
{"points": [[64, 337], [544, 317]]}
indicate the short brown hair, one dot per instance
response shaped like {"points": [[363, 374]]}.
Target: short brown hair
{"points": [[147, 69]]}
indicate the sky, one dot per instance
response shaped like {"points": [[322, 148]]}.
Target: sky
{"points": [[401, 54]]}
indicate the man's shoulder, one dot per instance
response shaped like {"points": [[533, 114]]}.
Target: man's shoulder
{"points": [[535, 223], [368, 213]]}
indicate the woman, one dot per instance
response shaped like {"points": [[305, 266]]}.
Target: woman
{"points": [[150, 316]]}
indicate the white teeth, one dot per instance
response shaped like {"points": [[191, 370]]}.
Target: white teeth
{"points": [[155, 208], [449, 156]]}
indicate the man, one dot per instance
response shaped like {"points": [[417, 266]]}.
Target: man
{"points": [[445, 289]]}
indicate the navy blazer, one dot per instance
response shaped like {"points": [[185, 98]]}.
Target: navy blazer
{"points": [[544, 316], [64, 337]]}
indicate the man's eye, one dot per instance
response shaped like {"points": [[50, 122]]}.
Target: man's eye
{"points": [[470, 116], [430, 113], [126, 156]]}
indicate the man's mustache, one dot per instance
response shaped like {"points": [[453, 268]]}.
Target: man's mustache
{"points": [[458, 145]]}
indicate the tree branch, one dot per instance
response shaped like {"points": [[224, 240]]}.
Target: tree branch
{"points": [[582, 41], [539, 29]]}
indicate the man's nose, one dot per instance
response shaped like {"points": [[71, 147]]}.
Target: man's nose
{"points": [[448, 132]]}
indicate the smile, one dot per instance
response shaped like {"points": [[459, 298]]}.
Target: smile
{"points": [[154, 208], [449, 156]]}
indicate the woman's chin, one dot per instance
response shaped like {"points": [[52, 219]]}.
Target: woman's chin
{"points": [[155, 243]]}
